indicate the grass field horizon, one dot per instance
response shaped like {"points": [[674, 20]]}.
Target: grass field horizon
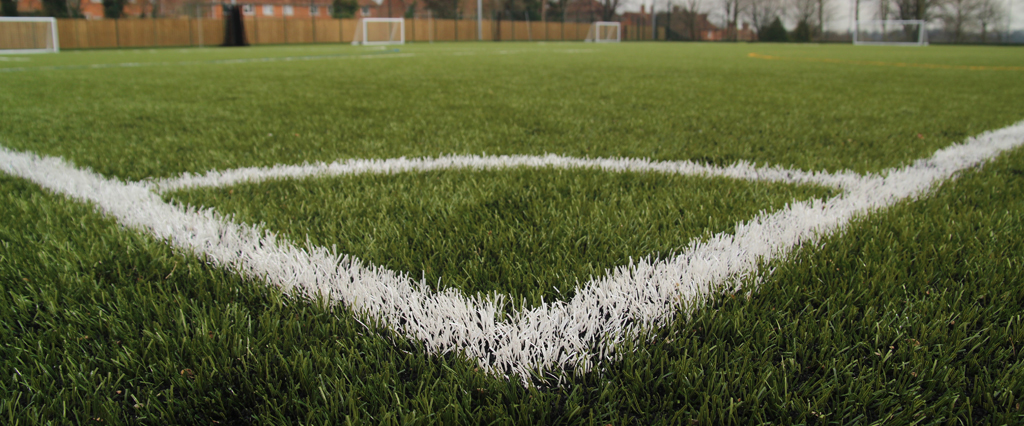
{"points": [[908, 314]]}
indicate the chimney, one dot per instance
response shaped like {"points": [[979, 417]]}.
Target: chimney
{"points": [[642, 10], [746, 26]]}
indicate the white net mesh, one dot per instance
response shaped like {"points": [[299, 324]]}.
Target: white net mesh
{"points": [[380, 31], [28, 35], [891, 32], [604, 32]]}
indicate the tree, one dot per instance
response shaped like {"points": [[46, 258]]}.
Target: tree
{"points": [[802, 33], [804, 11], [774, 32], [608, 9], [764, 13], [444, 9], [823, 7], [345, 8], [113, 8], [9, 7], [692, 18], [958, 16], [989, 13], [556, 10], [913, 9], [732, 15], [61, 8]]}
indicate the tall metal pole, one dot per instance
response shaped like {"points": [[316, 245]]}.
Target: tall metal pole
{"points": [[654, 23], [479, 20], [199, 13]]}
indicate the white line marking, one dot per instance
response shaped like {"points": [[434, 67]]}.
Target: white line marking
{"points": [[741, 170], [370, 55], [565, 335]]}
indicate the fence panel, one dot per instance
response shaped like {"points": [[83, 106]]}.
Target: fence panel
{"points": [[299, 30], [166, 32], [348, 30], [67, 32], [135, 33], [174, 32], [580, 31], [488, 30], [101, 33], [552, 31], [537, 31], [328, 31], [23, 35], [249, 24], [209, 32], [467, 30], [269, 31]]}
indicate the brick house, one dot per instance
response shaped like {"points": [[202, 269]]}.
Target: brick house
{"points": [[685, 25]]}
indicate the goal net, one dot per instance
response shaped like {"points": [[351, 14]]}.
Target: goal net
{"points": [[891, 32], [28, 35], [371, 31], [604, 32]]}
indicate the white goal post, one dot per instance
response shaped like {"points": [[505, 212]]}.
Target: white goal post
{"points": [[371, 31], [895, 32], [28, 35], [604, 32]]}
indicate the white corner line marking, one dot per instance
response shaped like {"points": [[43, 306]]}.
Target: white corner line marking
{"points": [[566, 335], [742, 170]]}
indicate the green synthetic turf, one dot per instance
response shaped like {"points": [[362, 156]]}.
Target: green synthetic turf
{"points": [[703, 102], [910, 316], [533, 234]]}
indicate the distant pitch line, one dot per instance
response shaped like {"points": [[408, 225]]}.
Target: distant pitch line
{"points": [[390, 52], [570, 335], [888, 64]]}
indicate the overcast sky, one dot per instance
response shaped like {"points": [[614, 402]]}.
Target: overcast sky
{"points": [[842, 10]]}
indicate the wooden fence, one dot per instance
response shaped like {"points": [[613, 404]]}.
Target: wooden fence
{"points": [[165, 32]]}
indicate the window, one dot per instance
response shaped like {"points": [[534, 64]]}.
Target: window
{"points": [[314, 11], [247, 9], [366, 10], [288, 10], [268, 10]]}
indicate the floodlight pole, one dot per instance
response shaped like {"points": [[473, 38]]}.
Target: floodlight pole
{"points": [[654, 23], [479, 20]]}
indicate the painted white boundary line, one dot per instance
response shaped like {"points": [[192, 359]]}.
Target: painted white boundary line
{"points": [[373, 55], [741, 170], [563, 335]]}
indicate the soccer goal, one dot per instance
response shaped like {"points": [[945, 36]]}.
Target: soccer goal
{"points": [[891, 32], [370, 31], [604, 32], [28, 35]]}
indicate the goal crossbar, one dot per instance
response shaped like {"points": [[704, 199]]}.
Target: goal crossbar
{"points": [[394, 31], [26, 35], [888, 27]]}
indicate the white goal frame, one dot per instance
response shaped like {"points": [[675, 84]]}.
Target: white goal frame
{"points": [[922, 35], [361, 32], [594, 33], [52, 44]]}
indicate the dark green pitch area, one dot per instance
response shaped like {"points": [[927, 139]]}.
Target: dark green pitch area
{"points": [[174, 110], [912, 315], [532, 234]]}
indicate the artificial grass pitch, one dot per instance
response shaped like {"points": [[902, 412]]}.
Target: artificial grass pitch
{"points": [[709, 103], [533, 234], [910, 315]]}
